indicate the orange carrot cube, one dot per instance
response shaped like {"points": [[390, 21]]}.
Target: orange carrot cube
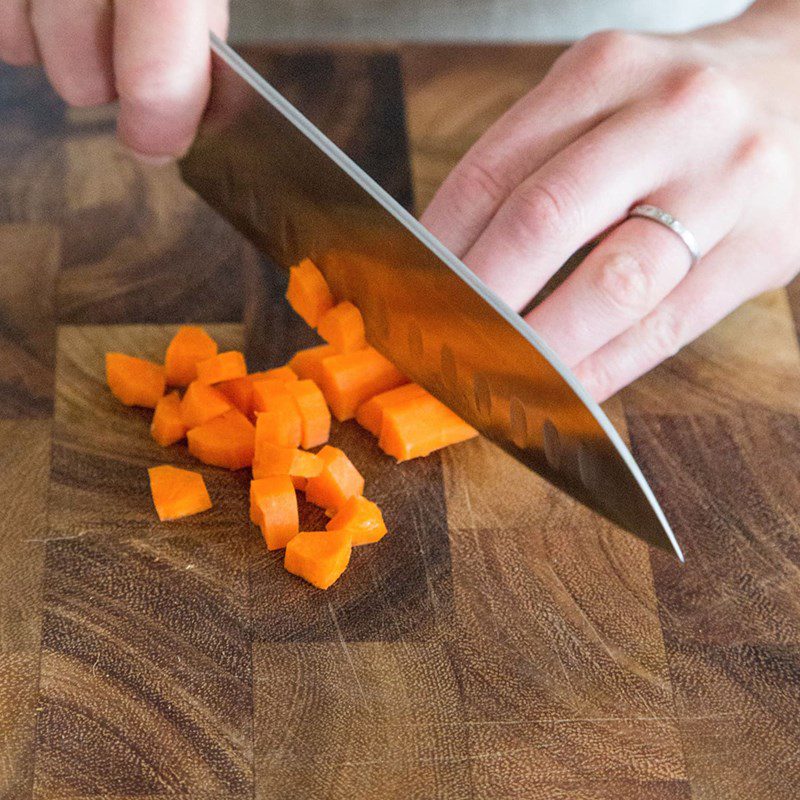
{"points": [[362, 518], [135, 381], [349, 379], [420, 426], [280, 423], [338, 481], [239, 393], [202, 403], [314, 413], [225, 441], [271, 459], [168, 426], [308, 292], [189, 345], [177, 492], [370, 414], [308, 363], [222, 367], [318, 557], [343, 328], [285, 373], [273, 507]]}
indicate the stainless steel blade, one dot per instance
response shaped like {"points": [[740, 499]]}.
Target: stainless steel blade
{"points": [[280, 181]]}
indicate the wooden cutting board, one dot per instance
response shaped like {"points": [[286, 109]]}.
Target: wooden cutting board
{"points": [[501, 641]]}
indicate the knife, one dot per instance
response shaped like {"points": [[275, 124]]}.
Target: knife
{"points": [[271, 173]]}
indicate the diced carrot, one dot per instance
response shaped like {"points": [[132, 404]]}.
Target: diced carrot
{"points": [[239, 393], [362, 518], [222, 367], [189, 345], [226, 441], [343, 327], [168, 426], [318, 557], [314, 412], [273, 507], [338, 481], [134, 381], [271, 459], [299, 483], [280, 422], [308, 292], [285, 373], [266, 393], [349, 379], [308, 363], [420, 426], [202, 403], [370, 414], [177, 492]]}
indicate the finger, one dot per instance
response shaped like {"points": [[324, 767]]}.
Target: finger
{"points": [[590, 186], [74, 38], [161, 62], [17, 42], [219, 17], [631, 271], [587, 84], [719, 283]]}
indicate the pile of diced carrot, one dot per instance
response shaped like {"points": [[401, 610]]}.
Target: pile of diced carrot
{"points": [[271, 421]]}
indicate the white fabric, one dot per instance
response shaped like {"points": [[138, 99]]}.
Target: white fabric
{"points": [[467, 20]]}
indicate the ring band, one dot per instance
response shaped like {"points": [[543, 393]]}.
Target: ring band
{"points": [[646, 211]]}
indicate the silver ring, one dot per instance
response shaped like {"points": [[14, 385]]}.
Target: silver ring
{"points": [[666, 219]]}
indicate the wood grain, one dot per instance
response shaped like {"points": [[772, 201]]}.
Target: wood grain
{"points": [[27, 319], [750, 359], [501, 641], [793, 295], [739, 723], [740, 581], [368, 719], [165, 257], [101, 449], [146, 684], [24, 477], [31, 159]]}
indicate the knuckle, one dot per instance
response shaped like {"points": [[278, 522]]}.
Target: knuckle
{"points": [[626, 282], [702, 86], [767, 155], [595, 375], [664, 331], [476, 177], [610, 49], [547, 211]]}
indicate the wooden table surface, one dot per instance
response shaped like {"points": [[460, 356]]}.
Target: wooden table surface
{"points": [[501, 642]]}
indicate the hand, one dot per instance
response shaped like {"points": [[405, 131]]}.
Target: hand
{"points": [[705, 126], [151, 54]]}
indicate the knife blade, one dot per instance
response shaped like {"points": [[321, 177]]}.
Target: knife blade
{"points": [[278, 179]]}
